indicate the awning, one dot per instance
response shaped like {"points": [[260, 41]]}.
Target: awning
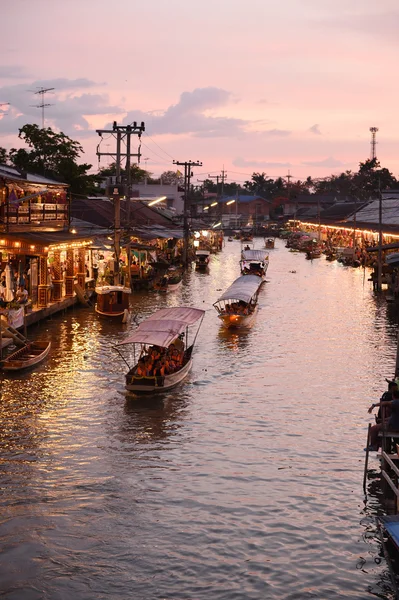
{"points": [[255, 255], [161, 328], [392, 259], [242, 288], [383, 247]]}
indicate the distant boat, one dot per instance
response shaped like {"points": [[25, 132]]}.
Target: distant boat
{"points": [[269, 243], [202, 258], [238, 306], [26, 357], [163, 333], [229, 239], [254, 262]]}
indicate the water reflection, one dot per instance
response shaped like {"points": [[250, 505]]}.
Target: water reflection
{"points": [[245, 482], [234, 340], [152, 420]]}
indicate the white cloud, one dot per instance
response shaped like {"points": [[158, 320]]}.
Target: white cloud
{"points": [[193, 115], [330, 162], [67, 105], [258, 164]]}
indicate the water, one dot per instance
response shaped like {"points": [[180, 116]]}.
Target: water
{"points": [[244, 483]]}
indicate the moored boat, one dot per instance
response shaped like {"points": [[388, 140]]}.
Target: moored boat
{"points": [[113, 301], [238, 306], [162, 349], [254, 262], [202, 258], [27, 356], [175, 278]]}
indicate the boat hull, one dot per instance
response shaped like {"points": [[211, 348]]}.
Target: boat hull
{"points": [[155, 385], [27, 357], [237, 321]]}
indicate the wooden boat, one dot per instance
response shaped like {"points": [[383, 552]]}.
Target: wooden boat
{"points": [[175, 277], [26, 357], [315, 253], [202, 258], [238, 306], [163, 331], [269, 243], [254, 262], [113, 301], [229, 239]]}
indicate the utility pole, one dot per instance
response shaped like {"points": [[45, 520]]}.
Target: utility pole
{"points": [[222, 178], [379, 276], [218, 178], [42, 104], [187, 177], [203, 193], [289, 177], [121, 133]]}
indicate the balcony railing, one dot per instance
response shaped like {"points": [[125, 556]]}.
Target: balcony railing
{"points": [[33, 214]]}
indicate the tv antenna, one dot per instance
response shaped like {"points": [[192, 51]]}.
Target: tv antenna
{"points": [[42, 104]]}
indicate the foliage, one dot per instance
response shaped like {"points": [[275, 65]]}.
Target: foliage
{"points": [[53, 155], [3, 156], [172, 178], [137, 174]]}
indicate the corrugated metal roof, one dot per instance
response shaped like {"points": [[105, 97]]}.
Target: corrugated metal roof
{"points": [[370, 212]]}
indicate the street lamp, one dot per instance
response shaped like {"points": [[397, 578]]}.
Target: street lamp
{"points": [[157, 200]]}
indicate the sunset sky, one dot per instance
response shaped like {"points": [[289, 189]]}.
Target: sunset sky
{"points": [[254, 85]]}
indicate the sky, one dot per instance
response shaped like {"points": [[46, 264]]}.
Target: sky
{"points": [[249, 86]]}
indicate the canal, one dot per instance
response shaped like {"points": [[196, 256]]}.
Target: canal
{"points": [[244, 483]]}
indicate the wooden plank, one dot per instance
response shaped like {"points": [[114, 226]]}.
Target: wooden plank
{"points": [[390, 483], [391, 464]]}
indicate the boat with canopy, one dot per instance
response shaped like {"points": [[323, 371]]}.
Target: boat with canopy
{"points": [[202, 258], [113, 301], [254, 262], [162, 350], [238, 306]]}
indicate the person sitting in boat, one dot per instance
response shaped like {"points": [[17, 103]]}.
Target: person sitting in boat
{"points": [[158, 370], [247, 247], [393, 421], [141, 369]]}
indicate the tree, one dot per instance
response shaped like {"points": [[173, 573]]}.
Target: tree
{"points": [[53, 155], [137, 174], [172, 178], [3, 156], [371, 178]]}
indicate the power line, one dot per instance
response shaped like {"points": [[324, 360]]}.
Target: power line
{"points": [[162, 150]]}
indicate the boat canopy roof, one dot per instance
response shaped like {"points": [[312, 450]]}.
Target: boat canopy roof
{"points": [[202, 252], [255, 255], [162, 327], [242, 288]]}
